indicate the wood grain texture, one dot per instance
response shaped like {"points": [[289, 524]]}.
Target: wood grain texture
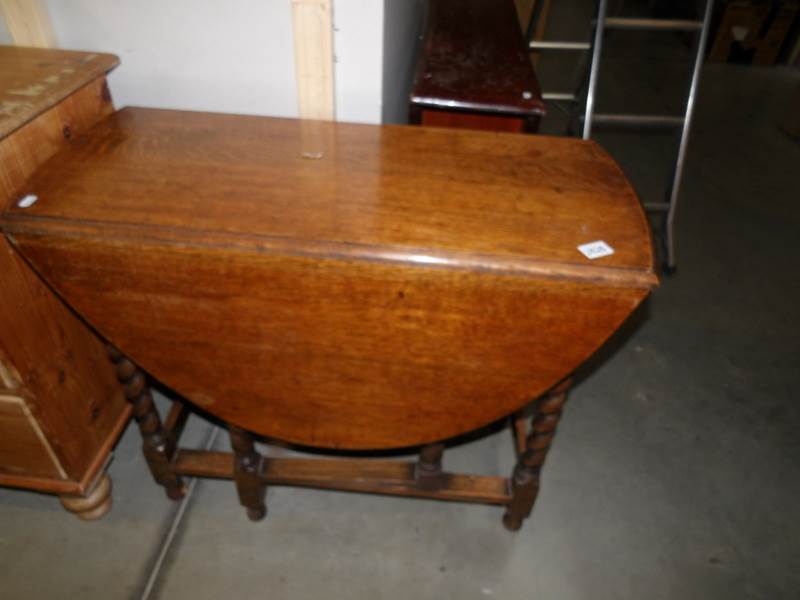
{"points": [[475, 58], [410, 285], [23, 447], [61, 366], [24, 150], [49, 357], [403, 194], [35, 79], [390, 477], [466, 120], [327, 352]]}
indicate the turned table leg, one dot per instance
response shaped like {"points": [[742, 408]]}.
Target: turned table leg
{"points": [[247, 474], [95, 504], [428, 470], [525, 480], [157, 445]]}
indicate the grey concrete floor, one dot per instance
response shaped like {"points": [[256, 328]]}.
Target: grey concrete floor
{"points": [[675, 473]]}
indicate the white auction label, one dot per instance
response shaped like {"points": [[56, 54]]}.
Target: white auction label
{"points": [[27, 201], [597, 249]]}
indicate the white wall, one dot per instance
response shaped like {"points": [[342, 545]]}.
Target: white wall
{"points": [[358, 50], [223, 55], [217, 55], [5, 37], [402, 29]]}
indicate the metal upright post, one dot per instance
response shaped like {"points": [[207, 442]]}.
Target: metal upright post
{"points": [[687, 123], [597, 47]]}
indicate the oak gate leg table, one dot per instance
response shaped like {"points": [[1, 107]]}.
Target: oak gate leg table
{"points": [[338, 286]]}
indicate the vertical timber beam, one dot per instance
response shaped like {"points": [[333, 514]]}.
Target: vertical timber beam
{"points": [[313, 58], [28, 23]]}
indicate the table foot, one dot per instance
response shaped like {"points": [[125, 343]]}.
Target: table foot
{"points": [[92, 506]]}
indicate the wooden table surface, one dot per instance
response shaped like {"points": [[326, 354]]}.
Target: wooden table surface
{"points": [[34, 79], [496, 201], [475, 58], [339, 285]]}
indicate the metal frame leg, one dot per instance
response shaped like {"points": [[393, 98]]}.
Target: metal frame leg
{"points": [[674, 189], [597, 49]]}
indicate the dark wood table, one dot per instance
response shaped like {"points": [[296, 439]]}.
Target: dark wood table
{"points": [[474, 69], [339, 286]]}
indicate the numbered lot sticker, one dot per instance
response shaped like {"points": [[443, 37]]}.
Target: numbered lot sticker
{"points": [[597, 249]]}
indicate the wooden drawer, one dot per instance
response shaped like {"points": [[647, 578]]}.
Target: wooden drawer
{"points": [[23, 447]]}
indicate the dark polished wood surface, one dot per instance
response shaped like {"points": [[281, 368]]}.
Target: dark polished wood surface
{"points": [[474, 57], [398, 194], [335, 285]]}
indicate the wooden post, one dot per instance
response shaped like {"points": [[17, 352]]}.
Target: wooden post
{"points": [[525, 480], [247, 466], [313, 58], [428, 471], [28, 23], [158, 445]]}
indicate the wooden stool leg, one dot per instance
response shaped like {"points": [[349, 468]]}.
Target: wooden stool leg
{"points": [[247, 473], [92, 506], [525, 480], [158, 446]]}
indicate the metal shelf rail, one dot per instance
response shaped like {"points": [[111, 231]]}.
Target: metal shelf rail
{"points": [[590, 118]]}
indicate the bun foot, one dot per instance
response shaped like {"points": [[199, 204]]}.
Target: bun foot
{"points": [[92, 506]]}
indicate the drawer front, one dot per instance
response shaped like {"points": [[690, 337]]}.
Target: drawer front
{"points": [[23, 448]]}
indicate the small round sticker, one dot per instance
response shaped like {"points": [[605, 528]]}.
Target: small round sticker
{"points": [[28, 200]]}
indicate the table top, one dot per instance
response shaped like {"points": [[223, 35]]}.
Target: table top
{"points": [[338, 285], [474, 57], [481, 200], [34, 79]]}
